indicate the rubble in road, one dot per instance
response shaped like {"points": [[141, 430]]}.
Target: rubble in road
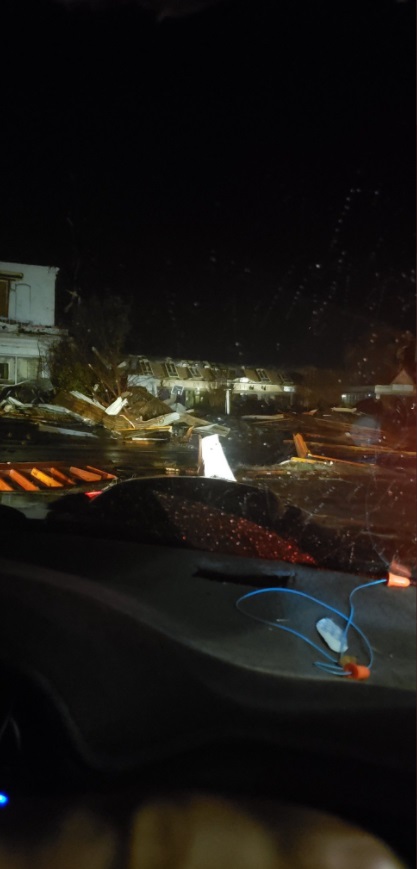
{"points": [[81, 406], [30, 421], [316, 438], [342, 474], [134, 413], [30, 411], [130, 416], [317, 462]]}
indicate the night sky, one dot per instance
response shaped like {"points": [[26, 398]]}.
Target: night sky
{"points": [[244, 175]]}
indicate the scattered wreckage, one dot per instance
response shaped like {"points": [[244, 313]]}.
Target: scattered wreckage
{"points": [[315, 462], [27, 413]]}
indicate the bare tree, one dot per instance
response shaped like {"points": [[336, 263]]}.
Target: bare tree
{"points": [[90, 358]]}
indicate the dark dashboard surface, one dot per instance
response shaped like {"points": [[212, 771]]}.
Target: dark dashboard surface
{"points": [[139, 648]]}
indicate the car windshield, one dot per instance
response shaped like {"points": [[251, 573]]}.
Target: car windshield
{"points": [[208, 272]]}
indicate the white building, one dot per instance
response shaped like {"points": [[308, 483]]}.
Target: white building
{"points": [[190, 382], [401, 387], [27, 320]]}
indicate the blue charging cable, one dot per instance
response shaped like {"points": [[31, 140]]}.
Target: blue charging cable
{"points": [[331, 666]]}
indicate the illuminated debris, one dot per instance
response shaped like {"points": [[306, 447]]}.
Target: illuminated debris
{"points": [[87, 476], [81, 405], [59, 475], [116, 406], [47, 479], [301, 446], [22, 481], [73, 414], [42, 418], [137, 411], [318, 440], [42, 477], [214, 460]]}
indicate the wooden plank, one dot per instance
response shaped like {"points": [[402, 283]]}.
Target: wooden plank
{"points": [[62, 477], [104, 474], [310, 460], [300, 446], [87, 476], [85, 409], [46, 479], [22, 481], [304, 454], [370, 448], [334, 461]]}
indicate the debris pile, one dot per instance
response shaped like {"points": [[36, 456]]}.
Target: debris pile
{"points": [[131, 416]]}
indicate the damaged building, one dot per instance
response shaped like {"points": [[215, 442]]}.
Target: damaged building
{"points": [[194, 383], [27, 320]]}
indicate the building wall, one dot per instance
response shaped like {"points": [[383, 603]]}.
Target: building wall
{"points": [[195, 380], [31, 298], [23, 356], [355, 394], [27, 318]]}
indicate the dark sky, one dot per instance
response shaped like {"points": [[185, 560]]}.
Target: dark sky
{"points": [[244, 175]]}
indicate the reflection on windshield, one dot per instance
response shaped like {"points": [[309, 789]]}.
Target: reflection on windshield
{"points": [[260, 520]]}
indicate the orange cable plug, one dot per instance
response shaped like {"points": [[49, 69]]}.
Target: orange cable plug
{"points": [[396, 581], [357, 671]]}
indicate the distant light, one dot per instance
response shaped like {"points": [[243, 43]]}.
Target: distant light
{"points": [[288, 389], [4, 799]]}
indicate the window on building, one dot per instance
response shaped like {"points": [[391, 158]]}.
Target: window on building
{"points": [[4, 298], [194, 371], [28, 368], [262, 375], [4, 370], [145, 368], [171, 369]]}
